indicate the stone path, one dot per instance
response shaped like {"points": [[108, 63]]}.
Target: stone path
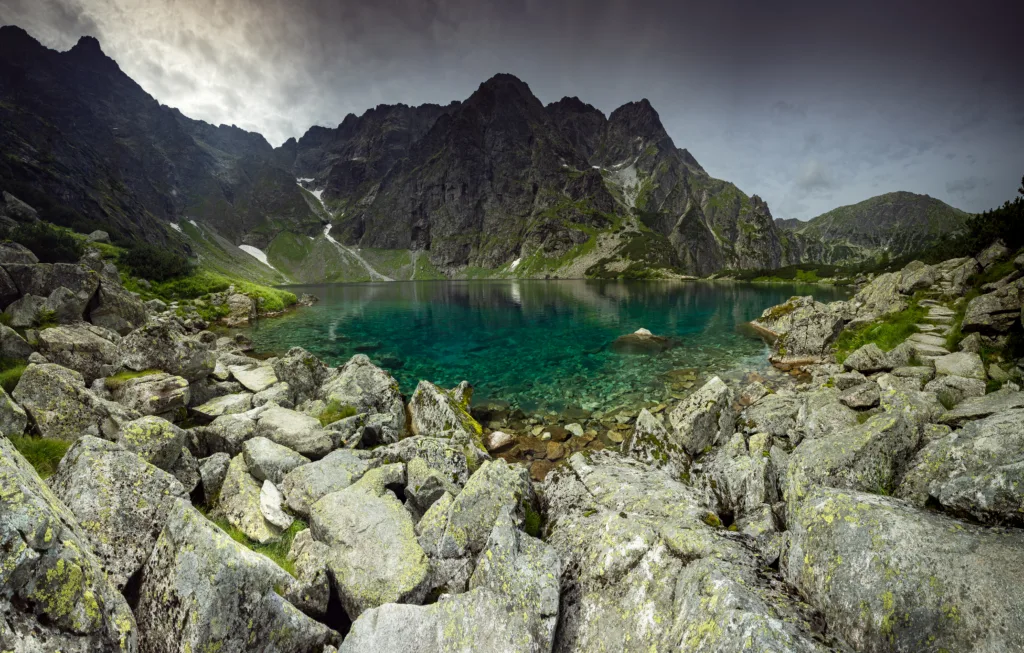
{"points": [[930, 343]]}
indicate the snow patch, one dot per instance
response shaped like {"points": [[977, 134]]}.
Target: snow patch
{"points": [[515, 264], [193, 223], [176, 227], [257, 254], [596, 167], [318, 194], [327, 234], [303, 180]]}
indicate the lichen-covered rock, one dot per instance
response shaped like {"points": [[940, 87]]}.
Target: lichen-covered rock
{"points": [[54, 592], [801, 327], [303, 372], [881, 297], [494, 487], [369, 389], [120, 500], [294, 430], [374, 556], [867, 359], [865, 395], [85, 348], [60, 406], [475, 621], [739, 477], [971, 408], [271, 505], [13, 418], [992, 254], [526, 572], [253, 377], [12, 253], [775, 414], [212, 472], [228, 433], [240, 504], [202, 591], [42, 280], [437, 413], [651, 443], [12, 345], [231, 404], [704, 418], [917, 276], [312, 592], [280, 393], [24, 311], [996, 312], [305, 485], [976, 472], [643, 570], [951, 390], [163, 345], [888, 577], [868, 457], [455, 458], [154, 394], [154, 439], [117, 309], [269, 461], [425, 485], [962, 363]]}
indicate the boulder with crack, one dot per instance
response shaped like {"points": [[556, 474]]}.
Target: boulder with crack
{"points": [[153, 394], [294, 430], [240, 506], [87, 349], [120, 500], [704, 418], [369, 389], [202, 591], [303, 372], [163, 345], [54, 592], [307, 484]]}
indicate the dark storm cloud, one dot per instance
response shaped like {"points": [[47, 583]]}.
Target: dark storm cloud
{"points": [[805, 103]]}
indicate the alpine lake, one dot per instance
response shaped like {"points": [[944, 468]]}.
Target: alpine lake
{"points": [[545, 347]]}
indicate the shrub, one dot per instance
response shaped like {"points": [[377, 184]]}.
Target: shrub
{"points": [[44, 454], [50, 244], [155, 263], [335, 411]]}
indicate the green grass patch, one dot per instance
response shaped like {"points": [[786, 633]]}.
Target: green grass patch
{"points": [[994, 273], [116, 381], [205, 282], [44, 454], [886, 332], [10, 373], [955, 334], [276, 551], [45, 319], [334, 411], [533, 522]]}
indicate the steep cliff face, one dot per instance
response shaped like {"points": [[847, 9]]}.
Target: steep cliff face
{"points": [[896, 224], [473, 186], [79, 130]]}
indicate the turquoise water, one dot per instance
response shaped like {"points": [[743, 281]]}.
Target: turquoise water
{"points": [[539, 345]]}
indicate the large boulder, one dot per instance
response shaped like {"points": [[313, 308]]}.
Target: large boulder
{"points": [[154, 439], [369, 389], [269, 461], [917, 276], [951, 390], [18, 211], [976, 472], [228, 404], [25, 311], [888, 577], [43, 279], [739, 478], [992, 254], [55, 594], [996, 312], [867, 359], [240, 505], [120, 500], [85, 348], [474, 621], [646, 567], [704, 418], [302, 371], [163, 345], [13, 418], [801, 328], [867, 457], [974, 408], [307, 484], [158, 393], [881, 297], [117, 309], [254, 377], [374, 556], [296, 431], [463, 530], [228, 433], [526, 572], [440, 413], [963, 363], [12, 253], [60, 406], [12, 345], [202, 591], [651, 443], [451, 458]]}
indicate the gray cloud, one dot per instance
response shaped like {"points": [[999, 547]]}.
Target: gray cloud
{"points": [[875, 94]]}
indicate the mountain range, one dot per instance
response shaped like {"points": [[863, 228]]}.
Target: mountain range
{"points": [[498, 184]]}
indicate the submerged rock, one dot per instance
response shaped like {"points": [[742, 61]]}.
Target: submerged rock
{"points": [[642, 341]]}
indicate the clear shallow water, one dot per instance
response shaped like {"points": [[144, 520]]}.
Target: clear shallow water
{"points": [[540, 345]]}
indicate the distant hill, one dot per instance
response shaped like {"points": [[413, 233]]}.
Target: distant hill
{"points": [[897, 224]]}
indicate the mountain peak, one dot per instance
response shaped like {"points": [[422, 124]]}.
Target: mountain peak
{"points": [[88, 45]]}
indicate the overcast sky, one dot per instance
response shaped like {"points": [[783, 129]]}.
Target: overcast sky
{"points": [[806, 103]]}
